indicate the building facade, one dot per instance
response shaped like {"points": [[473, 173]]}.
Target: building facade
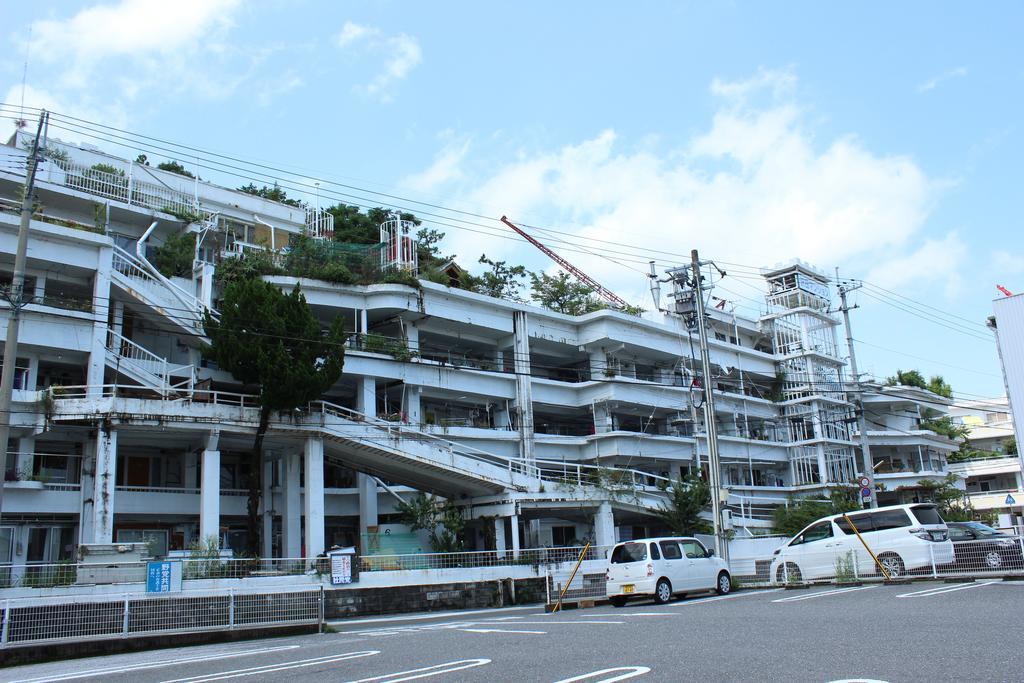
{"points": [[545, 429]]}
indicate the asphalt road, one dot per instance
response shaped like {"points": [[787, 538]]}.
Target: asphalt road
{"points": [[917, 632]]}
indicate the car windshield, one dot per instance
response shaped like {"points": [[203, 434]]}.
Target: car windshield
{"points": [[983, 530], [629, 552]]}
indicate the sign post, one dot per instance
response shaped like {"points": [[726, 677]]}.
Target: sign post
{"points": [[163, 577]]}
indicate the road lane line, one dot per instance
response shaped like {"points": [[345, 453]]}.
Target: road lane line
{"points": [[426, 672], [428, 615], [627, 672], [713, 598], [273, 668], [824, 594], [142, 666], [940, 590], [566, 621], [500, 630]]}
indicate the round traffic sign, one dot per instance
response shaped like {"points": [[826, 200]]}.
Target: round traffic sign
{"points": [[864, 482], [865, 493]]}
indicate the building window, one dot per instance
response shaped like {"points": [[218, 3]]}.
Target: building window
{"points": [[563, 536]]}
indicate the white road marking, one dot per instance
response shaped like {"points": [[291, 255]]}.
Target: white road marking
{"points": [[426, 671], [500, 630], [823, 594], [427, 615], [928, 592], [142, 666], [574, 621], [272, 668], [700, 601], [627, 672]]}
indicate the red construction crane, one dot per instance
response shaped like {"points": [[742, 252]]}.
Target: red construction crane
{"points": [[611, 297]]}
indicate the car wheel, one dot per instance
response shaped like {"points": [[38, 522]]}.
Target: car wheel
{"points": [[663, 592], [790, 573], [893, 564], [618, 602], [993, 560], [724, 583]]}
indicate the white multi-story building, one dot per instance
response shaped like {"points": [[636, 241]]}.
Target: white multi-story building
{"points": [[544, 428], [994, 483]]}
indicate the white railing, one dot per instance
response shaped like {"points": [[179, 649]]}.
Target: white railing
{"points": [[613, 479], [149, 364], [124, 186], [319, 224]]}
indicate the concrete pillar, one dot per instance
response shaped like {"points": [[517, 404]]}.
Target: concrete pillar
{"points": [[267, 501], [366, 396], [604, 525], [40, 290], [524, 385], [514, 519], [104, 485], [412, 405], [100, 307], [25, 460], [367, 487], [602, 418], [598, 364], [209, 493], [364, 326], [291, 517], [192, 470], [822, 465], [86, 491], [499, 536], [412, 337], [117, 324], [501, 416], [32, 380], [313, 500], [533, 533]]}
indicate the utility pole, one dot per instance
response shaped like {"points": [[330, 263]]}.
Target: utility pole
{"points": [[711, 429], [869, 468], [16, 298]]}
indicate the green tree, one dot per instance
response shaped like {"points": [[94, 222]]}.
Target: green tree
{"points": [[443, 520], [271, 341], [1010, 445], [952, 501], [907, 378], [687, 498], [938, 385], [791, 519], [174, 167], [563, 293], [176, 255], [274, 194], [502, 281]]}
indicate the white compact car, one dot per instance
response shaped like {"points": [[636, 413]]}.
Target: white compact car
{"points": [[663, 567], [902, 537]]}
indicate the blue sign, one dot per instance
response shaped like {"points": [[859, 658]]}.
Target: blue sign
{"points": [[865, 493], [163, 577], [1010, 500]]}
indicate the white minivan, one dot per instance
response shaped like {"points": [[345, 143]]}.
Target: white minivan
{"points": [[902, 537], [663, 567]]}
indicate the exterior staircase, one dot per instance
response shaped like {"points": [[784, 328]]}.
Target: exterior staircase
{"points": [[140, 280], [146, 368]]}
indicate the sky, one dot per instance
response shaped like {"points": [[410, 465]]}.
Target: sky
{"points": [[882, 139]]}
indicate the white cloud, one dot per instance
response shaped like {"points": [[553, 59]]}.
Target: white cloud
{"points": [[935, 261], [1004, 263], [136, 29], [401, 52], [755, 188], [932, 83], [445, 169]]}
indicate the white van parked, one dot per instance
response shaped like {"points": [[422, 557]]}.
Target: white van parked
{"points": [[902, 537], [663, 567]]}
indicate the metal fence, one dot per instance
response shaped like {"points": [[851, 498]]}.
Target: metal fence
{"points": [[847, 560], [49, 620], [539, 557], [584, 586]]}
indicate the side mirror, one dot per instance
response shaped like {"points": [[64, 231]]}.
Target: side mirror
{"points": [[711, 552]]}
